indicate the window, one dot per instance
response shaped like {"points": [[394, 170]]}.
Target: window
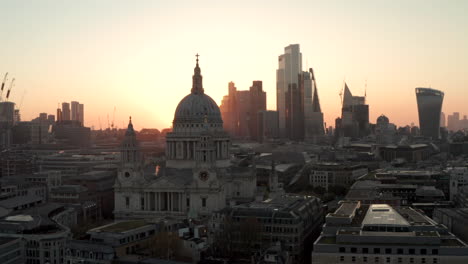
{"points": [[423, 251], [411, 251], [127, 202], [142, 203], [388, 260], [364, 259], [342, 250], [434, 260], [423, 260], [400, 260], [188, 202], [376, 250], [435, 252], [365, 251], [203, 202], [353, 258], [400, 251], [411, 260], [388, 251], [353, 250], [376, 260]]}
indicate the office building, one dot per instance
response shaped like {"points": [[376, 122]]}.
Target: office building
{"points": [[287, 81], [289, 219], [257, 103], [333, 174], [380, 233], [442, 119], [267, 125], [313, 116], [66, 111], [429, 109], [354, 121], [81, 114], [74, 110], [239, 110]]}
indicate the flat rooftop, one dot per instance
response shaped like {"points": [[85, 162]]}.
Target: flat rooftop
{"points": [[383, 214], [121, 227]]}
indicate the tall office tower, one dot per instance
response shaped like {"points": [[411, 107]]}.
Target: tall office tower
{"points": [[354, 115], [289, 68], [43, 117], [313, 116], [453, 122], [74, 110], [59, 115], [442, 119], [229, 110], [267, 125], [65, 111], [294, 113], [243, 110], [16, 116], [429, 108], [257, 103], [81, 114]]}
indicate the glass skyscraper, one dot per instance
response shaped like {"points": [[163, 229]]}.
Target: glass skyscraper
{"points": [[429, 109]]}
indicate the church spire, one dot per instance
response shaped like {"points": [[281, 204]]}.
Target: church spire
{"points": [[197, 85]]}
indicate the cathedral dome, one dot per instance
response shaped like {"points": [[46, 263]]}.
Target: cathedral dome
{"points": [[197, 107]]}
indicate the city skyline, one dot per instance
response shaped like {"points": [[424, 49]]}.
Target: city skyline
{"points": [[140, 53]]}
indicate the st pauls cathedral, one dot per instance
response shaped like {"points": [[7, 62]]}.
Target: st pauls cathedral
{"points": [[198, 177]]}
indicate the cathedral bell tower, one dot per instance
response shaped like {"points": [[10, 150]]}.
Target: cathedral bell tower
{"points": [[131, 162]]}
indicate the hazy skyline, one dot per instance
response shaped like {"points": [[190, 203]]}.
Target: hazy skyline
{"points": [[139, 56]]}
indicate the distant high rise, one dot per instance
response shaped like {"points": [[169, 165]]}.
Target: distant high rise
{"points": [[442, 119], [59, 115], [354, 115], [313, 116], [287, 81], [239, 110], [429, 109], [81, 114], [267, 125], [75, 110], [66, 111], [294, 112], [257, 103]]}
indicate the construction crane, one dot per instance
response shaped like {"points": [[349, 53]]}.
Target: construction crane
{"points": [[3, 84], [11, 86]]}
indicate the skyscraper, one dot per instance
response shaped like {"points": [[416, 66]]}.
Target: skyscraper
{"points": [[442, 119], [81, 114], [313, 116], [429, 108], [65, 111], [74, 110], [257, 103], [354, 115], [287, 81]]}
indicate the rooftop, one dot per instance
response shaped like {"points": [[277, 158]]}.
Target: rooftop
{"points": [[383, 214], [121, 227]]}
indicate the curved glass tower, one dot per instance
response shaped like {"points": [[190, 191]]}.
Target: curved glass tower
{"points": [[429, 108]]}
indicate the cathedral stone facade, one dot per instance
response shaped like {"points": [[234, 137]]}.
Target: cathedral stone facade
{"points": [[198, 177]]}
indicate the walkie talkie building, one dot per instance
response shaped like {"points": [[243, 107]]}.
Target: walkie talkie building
{"points": [[429, 108]]}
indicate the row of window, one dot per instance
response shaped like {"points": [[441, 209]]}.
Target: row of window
{"points": [[389, 260], [399, 251]]}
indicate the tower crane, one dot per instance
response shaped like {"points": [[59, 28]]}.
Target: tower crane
{"points": [[3, 84], [9, 89]]}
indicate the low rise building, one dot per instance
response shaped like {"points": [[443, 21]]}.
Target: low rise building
{"points": [[290, 219], [380, 233], [332, 174]]}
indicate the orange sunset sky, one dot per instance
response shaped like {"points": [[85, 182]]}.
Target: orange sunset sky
{"points": [[139, 55]]}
